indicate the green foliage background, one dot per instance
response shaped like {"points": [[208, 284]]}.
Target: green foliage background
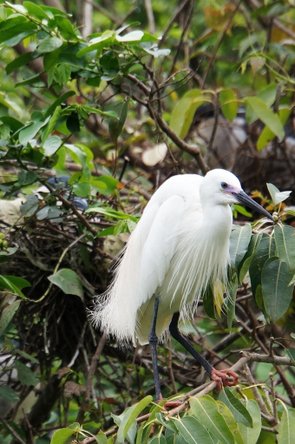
{"points": [[111, 94]]}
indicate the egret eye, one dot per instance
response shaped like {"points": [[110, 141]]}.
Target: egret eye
{"points": [[224, 185]]}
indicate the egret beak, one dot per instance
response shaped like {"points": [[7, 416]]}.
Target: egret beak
{"points": [[244, 199]]}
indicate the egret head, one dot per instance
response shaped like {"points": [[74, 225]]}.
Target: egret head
{"points": [[221, 187]]}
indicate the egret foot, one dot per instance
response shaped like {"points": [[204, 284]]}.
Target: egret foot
{"points": [[224, 378]]}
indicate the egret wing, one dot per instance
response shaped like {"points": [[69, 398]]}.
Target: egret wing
{"points": [[160, 245]]}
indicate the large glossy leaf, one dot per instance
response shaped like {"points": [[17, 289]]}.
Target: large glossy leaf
{"points": [[68, 281], [184, 111], [237, 408], [8, 394], [7, 315], [127, 419], [51, 145], [267, 134], [62, 436], [14, 284], [285, 244], [276, 289], [205, 409], [30, 131], [251, 434], [25, 375], [231, 422], [229, 103], [263, 112], [286, 427], [191, 431], [262, 250], [239, 242]]}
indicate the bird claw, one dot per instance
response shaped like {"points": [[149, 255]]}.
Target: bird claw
{"points": [[224, 378]]}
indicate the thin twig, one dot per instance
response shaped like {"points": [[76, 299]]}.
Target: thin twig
{"points": [[219, 41], [93, 365]]}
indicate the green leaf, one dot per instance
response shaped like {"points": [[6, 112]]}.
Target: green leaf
{"points": [[30, 206], [106, 185], [26, 178], [20, 61], [25, 375], [36, 10], [268, 94], [250, 435], [81, 189], [231, 421], [192, 431], [49, 44], [101, 438], [205, 409], [285, 244], [286, 429], [277, 196], [52, 123], [228, 103], [236, 407], [7, 315], [8, 394], [103, 40], [68, 281], [262, 249], [184, 111], [266, 115], [51, 109], [110, 212], [15, 29], [80, 154], [14, 284], [30, 131], [51, 145], [116, 125], [239, 241], [267, 134], [62, 436], [276, 291], [128, 418], [157, 440]]}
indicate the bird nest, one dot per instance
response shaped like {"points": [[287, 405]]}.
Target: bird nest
{"points": [[49, 322]]}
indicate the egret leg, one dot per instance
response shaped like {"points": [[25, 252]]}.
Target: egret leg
{"points": [[223, 377], [173, 328], [153, 341]]}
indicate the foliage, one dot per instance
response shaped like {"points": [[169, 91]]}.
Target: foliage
{"points": [[82, 102]]}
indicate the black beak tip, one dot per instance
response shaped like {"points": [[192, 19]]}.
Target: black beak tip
{"points": [[243, 198]]}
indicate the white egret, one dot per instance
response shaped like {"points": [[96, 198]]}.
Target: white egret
{"points": [[179, 247]]}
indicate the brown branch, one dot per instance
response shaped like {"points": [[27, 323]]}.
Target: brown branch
{"points": [[93, 365], [12, 431], [188, 20], [193, 150], [202, 390], [172, 20]]}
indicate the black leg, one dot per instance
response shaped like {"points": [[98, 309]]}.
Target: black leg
{"points": [[173, 328], [153, 341]]}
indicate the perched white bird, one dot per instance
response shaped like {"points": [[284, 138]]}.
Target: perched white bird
{"points": [[179, 247]]}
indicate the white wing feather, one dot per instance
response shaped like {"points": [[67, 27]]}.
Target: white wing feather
{"points": [[147, 256]]}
